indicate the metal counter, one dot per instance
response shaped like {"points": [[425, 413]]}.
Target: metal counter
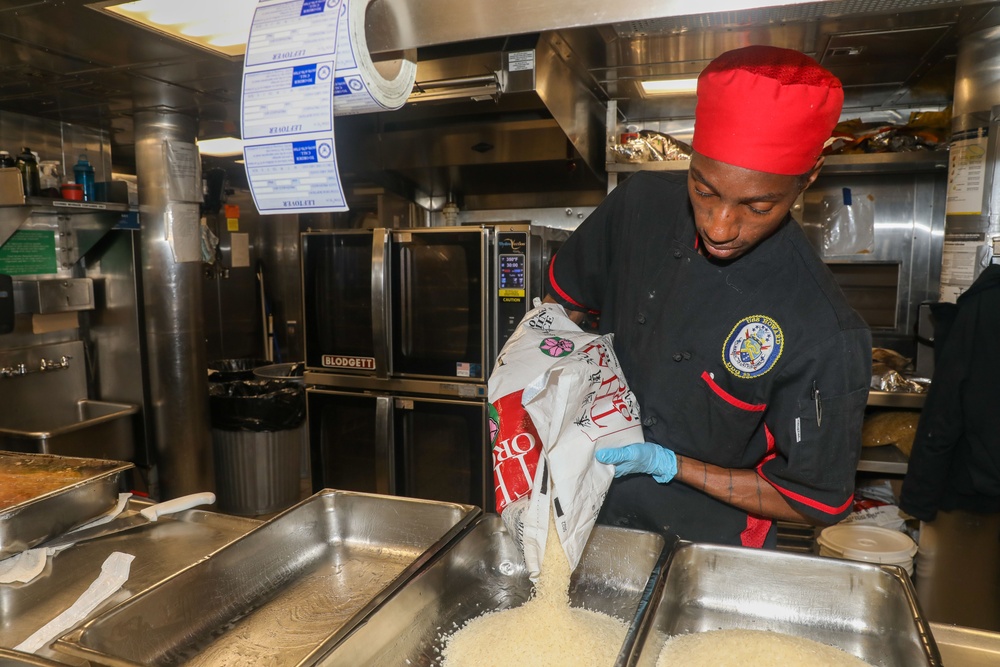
{"points": [[966, 647], [160, 549]]}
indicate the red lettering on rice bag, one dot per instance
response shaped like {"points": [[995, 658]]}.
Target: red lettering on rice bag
{"points": [[516, 450], [612, 409]]}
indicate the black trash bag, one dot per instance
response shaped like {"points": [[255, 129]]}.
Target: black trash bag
{"points": [[256, 405], [227, 370]]}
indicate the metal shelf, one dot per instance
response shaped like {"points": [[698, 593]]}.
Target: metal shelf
{"points": [[89, 221], [69, 206], [886, 459], [911, 162], [628, 167], [896, 399]]}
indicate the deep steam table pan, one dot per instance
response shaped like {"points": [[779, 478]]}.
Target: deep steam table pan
{"points": [[285, 591]]}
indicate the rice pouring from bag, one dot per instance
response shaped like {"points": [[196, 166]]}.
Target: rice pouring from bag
{"points": [[557, 395]]}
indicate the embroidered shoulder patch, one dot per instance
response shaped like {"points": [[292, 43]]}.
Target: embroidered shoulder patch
{"points": [[753, 347]]}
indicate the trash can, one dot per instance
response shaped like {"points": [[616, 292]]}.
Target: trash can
{"points": [[293, 372], [257, 432], [290, 372], [226, 370]]}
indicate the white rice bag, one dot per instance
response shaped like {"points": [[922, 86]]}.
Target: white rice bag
{"points": [[557, 395], [544, 335]]}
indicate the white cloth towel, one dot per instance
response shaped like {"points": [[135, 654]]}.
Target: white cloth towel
{"points": [[114, 574]]}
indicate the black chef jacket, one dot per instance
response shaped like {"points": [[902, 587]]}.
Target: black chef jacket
{"points": [[955, 462], [758, 364]]}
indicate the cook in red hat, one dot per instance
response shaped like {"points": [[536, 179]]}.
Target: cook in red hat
{"points": [[763, 116], [750, 366], [766, 109]]}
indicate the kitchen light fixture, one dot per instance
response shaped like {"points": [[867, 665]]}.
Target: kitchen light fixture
{"points": [[221, 147], [221, 26], [669, 86]]}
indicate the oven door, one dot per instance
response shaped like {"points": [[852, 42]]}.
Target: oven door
{"points": [[422, 447], [349, 441], [341, 292], [438, 307], [442, 444]]}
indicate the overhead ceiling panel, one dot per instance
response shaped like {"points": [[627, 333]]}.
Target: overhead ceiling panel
{"points": [[61, 60]]}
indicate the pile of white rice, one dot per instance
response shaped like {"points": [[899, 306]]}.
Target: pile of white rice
{"points": [[544, 631], [751, 648]]}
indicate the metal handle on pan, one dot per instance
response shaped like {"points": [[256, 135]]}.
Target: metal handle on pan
{"points": [[931, 650], [643, 619]]}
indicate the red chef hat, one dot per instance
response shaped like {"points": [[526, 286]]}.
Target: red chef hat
{"points": [[767, 109]]}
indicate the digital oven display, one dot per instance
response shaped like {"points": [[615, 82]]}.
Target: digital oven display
{"points": [[512, 270]]}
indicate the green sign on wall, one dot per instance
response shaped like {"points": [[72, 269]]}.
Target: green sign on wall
{"points": [[29, 251]]}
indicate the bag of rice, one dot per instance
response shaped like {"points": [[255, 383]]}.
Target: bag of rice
{"points": [[557, 395]]}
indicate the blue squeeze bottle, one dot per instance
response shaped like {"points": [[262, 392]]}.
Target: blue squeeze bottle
{"points": [[83, 173]]}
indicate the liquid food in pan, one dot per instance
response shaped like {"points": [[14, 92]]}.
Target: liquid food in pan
{"points": [[21, 480]]}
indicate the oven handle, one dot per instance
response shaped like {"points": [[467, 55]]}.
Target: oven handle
{"points": [[385, 458], [380, 301]]}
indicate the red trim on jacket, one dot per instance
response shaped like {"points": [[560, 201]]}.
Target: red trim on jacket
{"points": [[756, 531], [560, 292], [757, 527], [729, 398], [798, 497]]}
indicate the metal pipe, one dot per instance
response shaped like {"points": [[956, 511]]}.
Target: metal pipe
{"points": [[172, 302], [972, 221]]}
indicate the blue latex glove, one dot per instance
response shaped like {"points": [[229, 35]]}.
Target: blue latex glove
{"points": [[642, 457]]}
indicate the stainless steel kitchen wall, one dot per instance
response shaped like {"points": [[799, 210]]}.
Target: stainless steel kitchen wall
{"points": [[908, 230], [278, 238], [114, 331], [234, 320], [110, 332], [232, 315]]}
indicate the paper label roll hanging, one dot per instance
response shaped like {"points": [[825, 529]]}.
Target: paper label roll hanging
{"points": [[306, 62]]}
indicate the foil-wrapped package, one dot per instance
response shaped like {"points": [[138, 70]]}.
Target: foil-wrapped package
{"points": [[894, 381], [650, 146]]}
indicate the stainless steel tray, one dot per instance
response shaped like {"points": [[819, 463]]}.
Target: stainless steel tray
{"points": [[161, 549], [32, 522], [282, 593], [11, 658], [867, 610], [484, 571], [967, 647]]}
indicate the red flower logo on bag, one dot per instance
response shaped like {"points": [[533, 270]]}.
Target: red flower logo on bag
{"points": [[554, 346]]}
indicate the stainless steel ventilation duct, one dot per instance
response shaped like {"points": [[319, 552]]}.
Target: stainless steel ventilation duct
{"points": [[172, 305], [972, 224]]}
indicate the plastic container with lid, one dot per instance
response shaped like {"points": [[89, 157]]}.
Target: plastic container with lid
{"points": [[869, 544], [73, 191], [50, 176], [83, 173]]}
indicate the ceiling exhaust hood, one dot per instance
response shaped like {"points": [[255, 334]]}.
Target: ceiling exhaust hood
{"points": [[511, 118]]}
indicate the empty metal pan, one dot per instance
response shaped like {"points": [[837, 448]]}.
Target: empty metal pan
{"points": [[283, 592]]}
